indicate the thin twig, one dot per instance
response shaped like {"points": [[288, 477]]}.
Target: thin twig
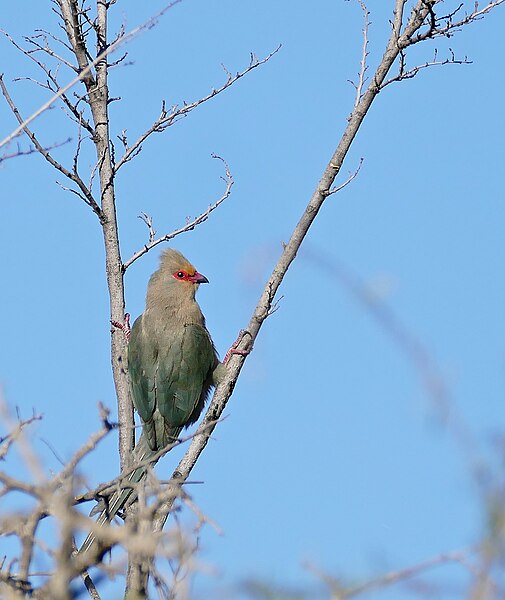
{"points": [[342, 592], [32, 150], [191, 224], [364, 53], [121, 481], [404, 73], [334, 190], [168, 118], [87, 70], [149, 222], [85, 193], [55, 87]]}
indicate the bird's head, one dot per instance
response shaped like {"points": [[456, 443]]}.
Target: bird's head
{"points": [[178, 273], [176, 266]]}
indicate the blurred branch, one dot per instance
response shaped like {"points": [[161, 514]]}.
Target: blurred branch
{"points": [[340, 591], [7, 440], [45, 496], [430, 374]]}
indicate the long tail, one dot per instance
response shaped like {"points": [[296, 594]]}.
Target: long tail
{"points": [[118, 499]]}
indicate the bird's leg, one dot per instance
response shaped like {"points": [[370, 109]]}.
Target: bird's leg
{"points": [[124, 326], [234, 348]]}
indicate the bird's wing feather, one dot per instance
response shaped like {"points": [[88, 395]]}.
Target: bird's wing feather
{"points": [[184, 367], [142, 366]]}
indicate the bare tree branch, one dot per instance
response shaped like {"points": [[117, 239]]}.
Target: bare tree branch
{"points": [[404, 73], [168, 118], [85, 194], [31, 150], [189, 226], [85, 72], [364, 54], [52, 85], [334, 190]]}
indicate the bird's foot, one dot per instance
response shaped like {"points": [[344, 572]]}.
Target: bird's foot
{"points": [[124, 326], [235, 347]]}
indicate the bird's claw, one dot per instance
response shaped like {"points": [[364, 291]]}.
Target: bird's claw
{"points": [[124, 326], [234, 348]]}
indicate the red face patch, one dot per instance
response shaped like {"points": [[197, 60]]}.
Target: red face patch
{"points": [[182, 275], [194, 277]]}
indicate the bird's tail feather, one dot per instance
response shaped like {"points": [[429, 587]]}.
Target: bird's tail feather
{"points": [[113, 504]]}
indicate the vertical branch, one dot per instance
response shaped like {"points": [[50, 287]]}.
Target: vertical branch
{"points": [[96, 87], [364, 53], [114, 266]]}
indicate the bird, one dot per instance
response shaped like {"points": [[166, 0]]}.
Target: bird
{"points": [[172, 366]]}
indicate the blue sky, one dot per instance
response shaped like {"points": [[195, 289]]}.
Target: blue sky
{"points": [[333, 453]]}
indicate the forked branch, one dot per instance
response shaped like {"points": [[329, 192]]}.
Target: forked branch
{"points": [[84, 191]]}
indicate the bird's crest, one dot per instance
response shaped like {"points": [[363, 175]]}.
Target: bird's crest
{"points": [[172, 260]]}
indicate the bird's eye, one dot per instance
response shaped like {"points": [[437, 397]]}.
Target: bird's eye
{"points": [[181, 274]]}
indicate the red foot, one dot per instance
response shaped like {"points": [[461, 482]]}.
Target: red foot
{"points": [[124, 326], [235, 350]]}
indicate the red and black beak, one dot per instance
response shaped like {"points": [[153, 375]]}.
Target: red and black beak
{"points": [[198, 278]]}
